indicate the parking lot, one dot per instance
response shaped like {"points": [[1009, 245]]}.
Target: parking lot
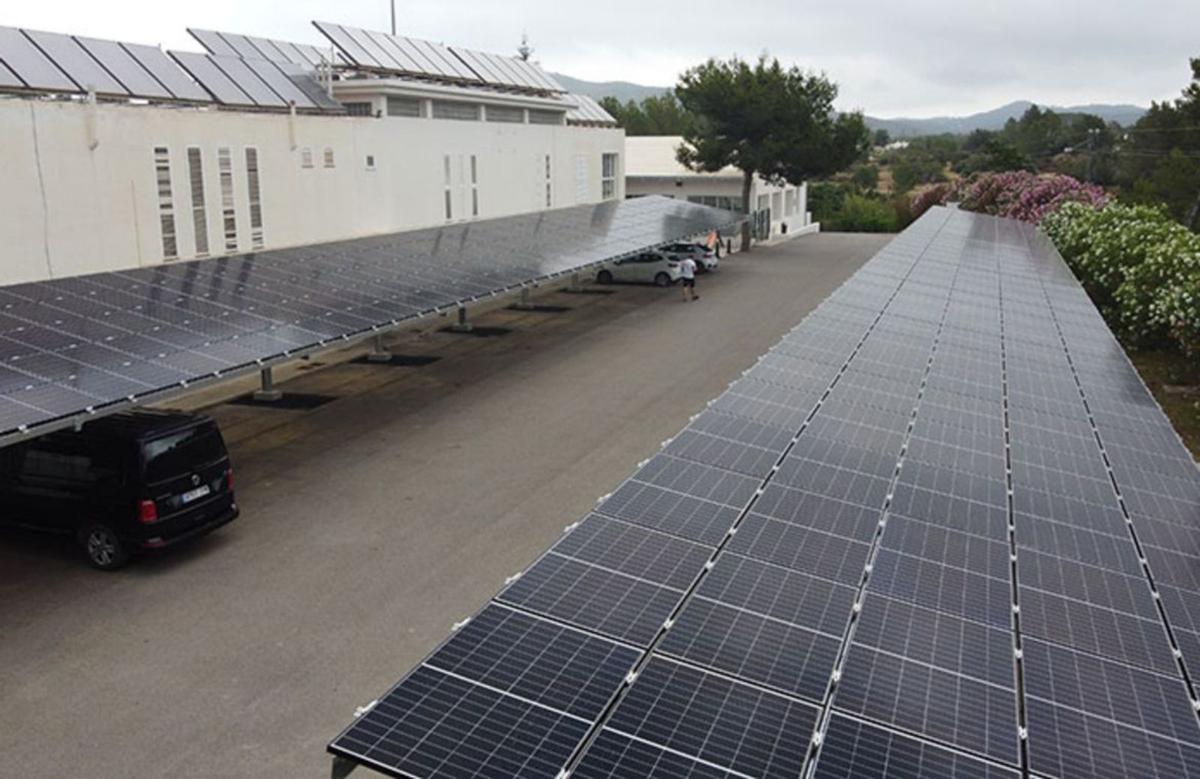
{"points": [[370, 525]]}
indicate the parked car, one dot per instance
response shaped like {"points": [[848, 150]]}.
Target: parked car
{"points": [[650, 267], [704, 257], [121, 485]]}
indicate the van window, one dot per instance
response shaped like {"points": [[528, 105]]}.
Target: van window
{"points": [[181, 452]]}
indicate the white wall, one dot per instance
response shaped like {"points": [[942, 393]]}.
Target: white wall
{"points": [[66, 209], [788, 204]]}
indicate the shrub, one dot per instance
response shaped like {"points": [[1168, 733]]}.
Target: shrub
{"points": [[1016, 194], [1140, 267], [861, 214]]}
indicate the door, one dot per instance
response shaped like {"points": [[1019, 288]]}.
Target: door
{"points": [[54, 484]]}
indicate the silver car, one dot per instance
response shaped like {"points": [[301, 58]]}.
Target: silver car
{"points": [[704, 257], [656, 268]]}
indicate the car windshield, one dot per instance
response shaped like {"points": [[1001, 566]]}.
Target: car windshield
{"points": [[182, 452]]}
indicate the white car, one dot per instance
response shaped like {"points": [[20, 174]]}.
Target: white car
{"points": [[648, 267], [704, 257]]}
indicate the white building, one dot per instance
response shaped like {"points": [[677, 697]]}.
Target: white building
{"points": [[652, 169], [111, 181]]}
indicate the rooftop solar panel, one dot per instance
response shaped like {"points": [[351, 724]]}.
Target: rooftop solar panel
{"points": [[76, 62], [117, 61], [167, 73], [35, 69], [950, 535]]}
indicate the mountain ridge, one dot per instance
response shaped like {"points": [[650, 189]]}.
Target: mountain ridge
{"points": [[897, 127]]}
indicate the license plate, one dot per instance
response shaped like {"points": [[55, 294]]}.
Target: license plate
{"points": [[195, 494]]}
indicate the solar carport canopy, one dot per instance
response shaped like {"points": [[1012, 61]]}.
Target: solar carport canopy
{"points": [[73, 347], [940, 530]]}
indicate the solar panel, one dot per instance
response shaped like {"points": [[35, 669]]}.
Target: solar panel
{"points": [[167, 73], [75, 61], [8, 79], [924, 513], [280, 83], [223, 88], [248, 81], [34, 68], [117, 61], [96, 341]]}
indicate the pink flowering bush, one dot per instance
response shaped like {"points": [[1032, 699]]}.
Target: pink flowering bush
{"points": [[1017, 194]]}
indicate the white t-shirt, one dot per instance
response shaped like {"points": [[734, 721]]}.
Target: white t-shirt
{"points": [[688, 268]]}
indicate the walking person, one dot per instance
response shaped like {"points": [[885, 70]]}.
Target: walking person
{"points": [[688, 269]]}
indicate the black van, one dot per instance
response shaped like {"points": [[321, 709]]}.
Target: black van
{"points": [[121, 485]]}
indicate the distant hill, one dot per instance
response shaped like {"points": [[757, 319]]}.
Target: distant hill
{"points": [[621, 90], [995, 119], [898, 127]]}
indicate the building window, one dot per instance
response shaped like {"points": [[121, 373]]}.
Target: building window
{"points": [[608, 176], [228, 209], [329, 163], [166, 202], [453, 109], [537, 116], [255, 194], [358, 109], [370, 162], [306, 157], [503, 113], [549, 184], [404, 106], [199, 206]]}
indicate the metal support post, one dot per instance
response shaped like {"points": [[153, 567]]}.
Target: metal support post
{"points": [[268, 393], [525, 302], [341, 767], [379, 352], [462, 325]]}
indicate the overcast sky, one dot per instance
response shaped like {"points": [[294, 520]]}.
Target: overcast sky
{"points": [[890, 58]]}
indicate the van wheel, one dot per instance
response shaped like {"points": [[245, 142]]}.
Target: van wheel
{"points": [[604, 277], [662, 280], [104, 549]]}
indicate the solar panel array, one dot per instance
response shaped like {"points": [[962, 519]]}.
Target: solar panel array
{"points": [[230, 44], [50, 62], [377, 51], [31, 60], [940, 530], [81, 345]]}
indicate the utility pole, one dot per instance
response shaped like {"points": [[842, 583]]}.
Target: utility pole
{"points": [[1091, 164], [393, 17]]}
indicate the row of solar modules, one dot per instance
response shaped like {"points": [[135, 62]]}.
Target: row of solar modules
{"points": [[588, 111], [395, 54], [91, 342], [827, 554], [51, 62], [251, 47]]}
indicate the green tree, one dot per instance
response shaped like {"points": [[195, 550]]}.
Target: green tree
{"points": [[655, 115], [1159, 158], [865, 177], [882, 137], [766, 120]]}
